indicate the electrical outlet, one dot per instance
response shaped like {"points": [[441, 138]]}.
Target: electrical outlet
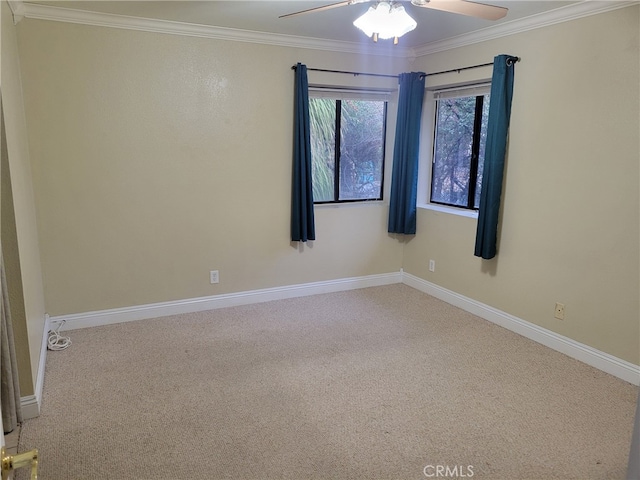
{"points": [[214, 276], [559, 311], [432, 265]]}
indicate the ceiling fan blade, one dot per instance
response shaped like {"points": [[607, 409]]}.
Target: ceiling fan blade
{"points": [[464, 7], [319, 9]]}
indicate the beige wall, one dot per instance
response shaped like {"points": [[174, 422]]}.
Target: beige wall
{"points": [[157, 158], [26, 234], [570, 226]]}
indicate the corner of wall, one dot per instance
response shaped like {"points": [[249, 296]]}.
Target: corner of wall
{"points": [[23, 194], [31, 403]]}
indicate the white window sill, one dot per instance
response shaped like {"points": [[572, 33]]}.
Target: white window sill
{"points": [[349, 204], [461, 212]]}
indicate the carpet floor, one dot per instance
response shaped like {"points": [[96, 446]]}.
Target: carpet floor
{"points": [[378, 383]]}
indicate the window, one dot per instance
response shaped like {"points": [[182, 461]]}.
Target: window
{"points": [[460, 136], [349, 166]]}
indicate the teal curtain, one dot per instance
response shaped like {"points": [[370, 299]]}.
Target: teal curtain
{"points": [[494, 156], [404, 179], [302, 220]]}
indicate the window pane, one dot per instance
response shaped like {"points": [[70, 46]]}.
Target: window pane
{"points": [[322, 113], [483, 143], [452, 154], [361, 149]]}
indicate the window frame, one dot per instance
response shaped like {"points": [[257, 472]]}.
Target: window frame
{"points": [[428, 142], [338, 94]]}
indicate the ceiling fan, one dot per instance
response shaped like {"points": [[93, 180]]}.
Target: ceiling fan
{"points": [[463, 7], [388, 19]]}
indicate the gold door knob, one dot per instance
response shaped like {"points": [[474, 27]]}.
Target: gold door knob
{"points": [[20, 460]]}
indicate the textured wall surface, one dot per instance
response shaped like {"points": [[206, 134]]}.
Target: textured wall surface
{"points": [[158, 158]]}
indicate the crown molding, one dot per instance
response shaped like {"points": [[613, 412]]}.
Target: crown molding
{"points": [[552, 17], [559, 15], [62, 14], [17, 10]]}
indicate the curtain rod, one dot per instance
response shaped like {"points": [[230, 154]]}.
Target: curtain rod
{"points": [[355, 74], [510, 61]]}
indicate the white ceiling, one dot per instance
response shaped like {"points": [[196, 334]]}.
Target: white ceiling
{"points": [[334, 24]]}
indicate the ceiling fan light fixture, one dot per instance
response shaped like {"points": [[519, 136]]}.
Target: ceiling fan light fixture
{"points": [[385, 20]]}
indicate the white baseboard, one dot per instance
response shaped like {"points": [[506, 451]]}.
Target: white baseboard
{"points": [[584, 353], [30, 407], [43, 358], [603, 361], [141, 312]]}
